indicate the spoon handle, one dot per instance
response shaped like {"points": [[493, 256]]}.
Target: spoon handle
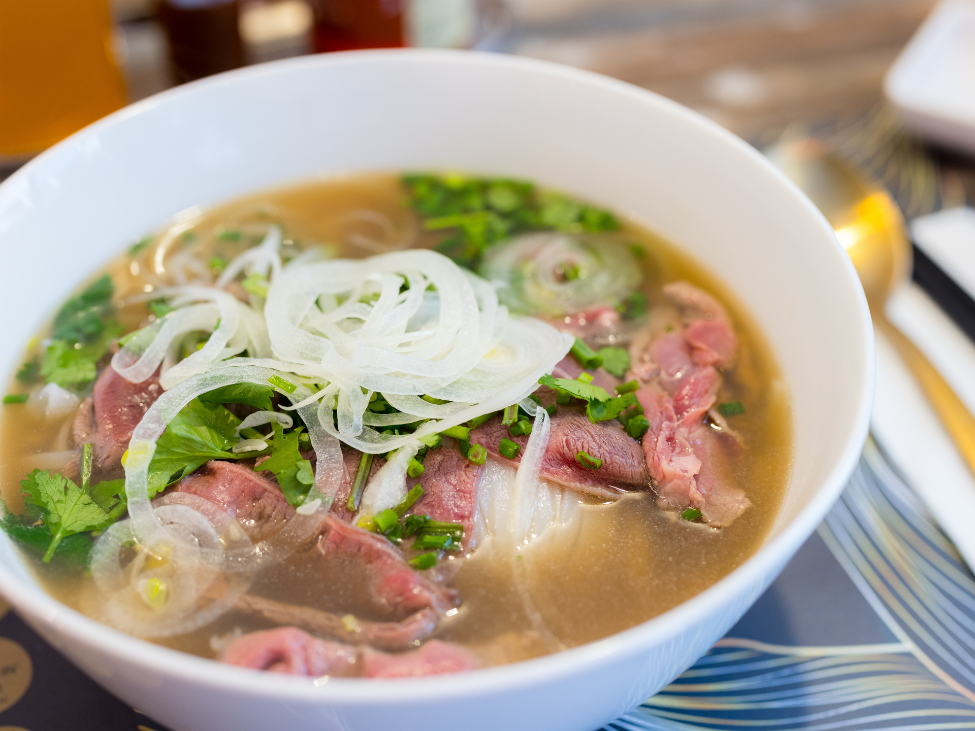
{"points": [[954, 415]]}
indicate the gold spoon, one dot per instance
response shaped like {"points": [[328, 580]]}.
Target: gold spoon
{"points": [[870, 226]]}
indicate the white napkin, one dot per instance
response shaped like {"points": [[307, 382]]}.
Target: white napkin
{"points": [[907, 427]]}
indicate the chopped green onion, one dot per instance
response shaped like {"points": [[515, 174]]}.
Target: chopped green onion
{"points": [[478, 420], [424, 561], [361, 475], [218, 263], [731, 408], [435, 401], [385, 520], [508, 448], [415, 468], [552, 409], [588, 461], [440, 542], [521, 428], [278, 382], [585, 355], [256, 285], [410, 500], [140, 245], [691, 514], [432, 441], [160, 308], [510, 415], [86, 455], [563, 397], [461, 433], [229, 234], [628, 387], [584, 377], [637, 427], [477, 454], [16, 398], [442, 529]]}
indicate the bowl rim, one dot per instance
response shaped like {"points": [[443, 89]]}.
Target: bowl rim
{"points": [[37, 606]]}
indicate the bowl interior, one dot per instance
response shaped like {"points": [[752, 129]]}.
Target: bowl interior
{"points": [[78, 205]]}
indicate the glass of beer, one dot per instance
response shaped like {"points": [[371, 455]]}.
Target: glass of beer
{"points": [[57, 72]]}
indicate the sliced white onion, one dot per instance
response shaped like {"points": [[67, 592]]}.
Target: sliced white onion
{"points": [[387, 488], [54, 401], [260, 418]]}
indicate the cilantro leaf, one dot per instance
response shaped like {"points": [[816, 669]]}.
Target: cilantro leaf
{"points": [[109, 495], [65, 508], [615, 360], [28, 371], [606, 410], [252, 394], [80, 318], [72, 364], [71, 552], [584, 391], [197, 434], [285, 462]]}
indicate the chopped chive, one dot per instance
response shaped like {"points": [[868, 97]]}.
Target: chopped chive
{"points": [[638, 251], [628, 387], [432, 441], [463, 446], [585, 355], [424, 561], [410, 500], [691, 514], [385, 520], [584, 377], [478, 420], [563, 397], [86, 454], [637, 427], [510, 415], [588, 461], [477, 454], [439, 528], [731, 408], [552, 409], [415, 468], [521, 428], [140, 245], [428, 541], [229, 234], [256, 285], [508, 448], [435, 401], [218, 263], [462, 433], [361, 475], [278, 382], [16, 398]]}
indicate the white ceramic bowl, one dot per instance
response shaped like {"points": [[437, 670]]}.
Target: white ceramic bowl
{"points": [[80, 203]]}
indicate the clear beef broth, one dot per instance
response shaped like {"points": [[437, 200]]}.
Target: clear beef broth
{"points": [[613, 566]]}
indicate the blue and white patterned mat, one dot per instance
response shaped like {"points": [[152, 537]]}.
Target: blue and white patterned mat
{"points": [[871, 626]]}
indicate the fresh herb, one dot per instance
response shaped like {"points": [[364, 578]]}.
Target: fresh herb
{"points": [[29, 371], [255, 284], [139, 246], [285, 462], [638, 251], [71, 364], [605, 410], [520, 428], [251, 394], [16, 398], [461, 433], [584, 377], [585, 355], [80, 319], [160, 308], [578, 389], [731, 408], [434, 400], [477, 454], [552, 409], [510, 415], [634, 305], [508, 448], [415, 493], [628, 387], [431, 441], [415, 468], [615, 360], [691, 514], [361, 475], [305, 474], [588, 461], [64, 507], [479, 420], [229, 234], [423, 561], [384, 520], [197, 434], [438, 542], [281, 383], [86, 459], [72, 552], [109, 495], [637, 426]]}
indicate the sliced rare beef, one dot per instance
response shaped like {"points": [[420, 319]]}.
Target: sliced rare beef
{"points": [[570, 368], [598, 326], [108, 417], [396, 589], [294, 652], [623, 468], [449, 483], [677, 369]]}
